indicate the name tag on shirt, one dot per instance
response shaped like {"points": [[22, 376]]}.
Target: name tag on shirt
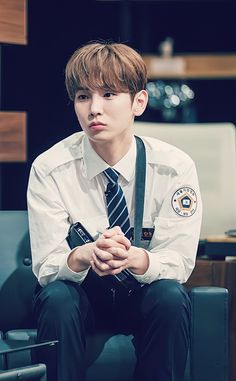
{"points": [[147, 234]]}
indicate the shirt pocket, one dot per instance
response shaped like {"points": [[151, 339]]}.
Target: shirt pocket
{"points": [[165, 230]]}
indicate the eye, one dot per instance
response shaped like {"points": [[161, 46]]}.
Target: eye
{"points": [[81, 97], [109, 94]]}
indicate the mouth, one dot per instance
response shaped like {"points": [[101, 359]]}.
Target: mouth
{"points": [[97, 126]]}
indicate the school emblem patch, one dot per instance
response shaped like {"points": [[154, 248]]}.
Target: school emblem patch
{"points": [[184, 202]]}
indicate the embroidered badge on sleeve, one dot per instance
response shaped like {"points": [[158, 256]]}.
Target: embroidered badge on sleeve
{"points": [[184, 202]]}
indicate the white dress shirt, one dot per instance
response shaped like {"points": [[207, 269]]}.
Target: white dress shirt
{"points": [[66, 186]]}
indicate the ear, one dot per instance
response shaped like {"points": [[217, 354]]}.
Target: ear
{"points": [[140, 102]]}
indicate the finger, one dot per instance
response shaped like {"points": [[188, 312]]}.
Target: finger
{"points": [[97, 271], [110, 264], [116, 264], [122, 240], [116, 240], [118, 253], [101, 266], [103, 255], [116, 271], [105, 243], [113, 231], [108, 272]]}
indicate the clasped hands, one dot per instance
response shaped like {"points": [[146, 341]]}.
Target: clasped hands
{"points": [[110, 254]]}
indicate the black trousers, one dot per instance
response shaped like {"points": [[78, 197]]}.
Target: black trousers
{"points": [[158, 315]]}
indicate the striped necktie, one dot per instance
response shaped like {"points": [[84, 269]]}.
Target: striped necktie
{"points": [[116, 204]]}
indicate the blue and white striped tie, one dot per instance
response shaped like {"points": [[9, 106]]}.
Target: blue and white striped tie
{"points": [[116, 204]]}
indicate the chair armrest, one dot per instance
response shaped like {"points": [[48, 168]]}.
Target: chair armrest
{"points": [[209, 334]]}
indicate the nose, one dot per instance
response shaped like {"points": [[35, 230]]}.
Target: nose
{"points": [[96, 105]]}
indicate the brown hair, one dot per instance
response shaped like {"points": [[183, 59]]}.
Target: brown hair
{"points": [[110, 65]]}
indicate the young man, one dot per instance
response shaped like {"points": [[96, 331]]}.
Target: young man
{"points": [[68, 184]]}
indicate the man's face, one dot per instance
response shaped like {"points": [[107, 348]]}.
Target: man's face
{"points": [[104, 115]]}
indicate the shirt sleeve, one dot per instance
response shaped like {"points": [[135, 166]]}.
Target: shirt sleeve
{"points": [[49, 225], [172, 250]]}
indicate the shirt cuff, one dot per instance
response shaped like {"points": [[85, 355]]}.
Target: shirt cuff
{"points": [[153, 271]]}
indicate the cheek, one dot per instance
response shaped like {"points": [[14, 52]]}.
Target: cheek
{"points": [[78, 112], [125, 110]]}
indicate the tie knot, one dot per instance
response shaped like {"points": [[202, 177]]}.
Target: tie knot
{"points": [[112, 175]]}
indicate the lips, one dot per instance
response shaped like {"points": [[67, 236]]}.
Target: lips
{"points": [[94, 124], [97, 126]]}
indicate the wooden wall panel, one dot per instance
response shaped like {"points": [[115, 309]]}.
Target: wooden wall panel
{"points": [[12, 136], [13, 25], [198, 66]]}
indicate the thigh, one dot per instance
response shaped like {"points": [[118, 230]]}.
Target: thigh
{"points": [[166, 294], [163, 299], [63, 313], [59, 300], [162, 338]]}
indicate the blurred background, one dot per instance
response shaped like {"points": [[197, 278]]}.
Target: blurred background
{"points": [[32, 75]]}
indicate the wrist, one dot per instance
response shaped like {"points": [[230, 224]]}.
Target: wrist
{"points": [[139, 261], [79, 259]]}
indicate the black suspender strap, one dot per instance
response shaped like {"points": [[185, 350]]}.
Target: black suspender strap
{"points": [[140, 177]]}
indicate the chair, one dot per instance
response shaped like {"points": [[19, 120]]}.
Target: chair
{"points": [[212, 147], [110, 356], [32, 372]]}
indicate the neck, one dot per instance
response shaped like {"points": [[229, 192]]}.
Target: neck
{"points": [[112, 151]]}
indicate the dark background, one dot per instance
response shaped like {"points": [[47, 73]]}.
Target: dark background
{"points": [[32, 76]]}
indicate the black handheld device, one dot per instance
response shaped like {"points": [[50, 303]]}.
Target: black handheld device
{"points": [[78, 236]]}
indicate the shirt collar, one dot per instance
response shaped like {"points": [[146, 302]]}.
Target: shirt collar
{"points": [[94, 164]]}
